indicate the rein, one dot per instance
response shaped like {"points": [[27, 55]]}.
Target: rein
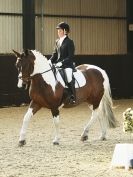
{"points": [[47, 71], [30, 77]]}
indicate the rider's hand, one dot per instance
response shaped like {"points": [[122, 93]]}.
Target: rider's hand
{"points": [[59, 64]]}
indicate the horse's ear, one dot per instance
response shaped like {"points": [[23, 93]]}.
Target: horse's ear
{"points": [[16, 53]]}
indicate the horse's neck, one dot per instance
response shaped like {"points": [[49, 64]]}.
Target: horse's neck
{"points": [[40, 63], [38, 81], [46, 72], [42, 66]]}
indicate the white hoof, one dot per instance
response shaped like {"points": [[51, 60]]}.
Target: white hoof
{"points": [[56, 141], [84, 138]]}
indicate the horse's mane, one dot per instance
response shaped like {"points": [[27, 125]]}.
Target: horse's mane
{"points": [[40, 63], [39, 55]]}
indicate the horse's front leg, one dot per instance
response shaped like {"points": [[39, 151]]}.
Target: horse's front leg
{"points": [[55, 113], [33, 108]]}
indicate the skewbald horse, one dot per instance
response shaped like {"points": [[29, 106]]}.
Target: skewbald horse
{"points": [[47, 91]]}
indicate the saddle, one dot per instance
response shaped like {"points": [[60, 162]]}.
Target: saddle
{"points": [[77, 77], [78, 80]]}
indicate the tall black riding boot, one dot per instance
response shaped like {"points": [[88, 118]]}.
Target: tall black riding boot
{"points": [[72, 98]]}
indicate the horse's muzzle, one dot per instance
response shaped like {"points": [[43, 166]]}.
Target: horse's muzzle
{"points": [[23, 82]]}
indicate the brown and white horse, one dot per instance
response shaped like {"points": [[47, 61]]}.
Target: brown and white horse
{"points": [[47, 90]]}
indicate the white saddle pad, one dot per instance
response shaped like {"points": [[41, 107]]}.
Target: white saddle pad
{"points": [[80, 80]]}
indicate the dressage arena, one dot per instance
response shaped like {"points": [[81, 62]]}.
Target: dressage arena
{"points": [[73, 158]]}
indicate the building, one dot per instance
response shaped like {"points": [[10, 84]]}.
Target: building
{"points": [[101, 29]]}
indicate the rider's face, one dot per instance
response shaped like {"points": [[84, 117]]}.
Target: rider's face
{"points": [[60, 32]]}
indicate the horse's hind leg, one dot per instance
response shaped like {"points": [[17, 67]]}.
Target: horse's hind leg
{"points": [[33, 108], [94, 117], [103, 129]]}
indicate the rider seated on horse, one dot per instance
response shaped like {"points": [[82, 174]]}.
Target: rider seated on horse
{"points": [[63, 56]]}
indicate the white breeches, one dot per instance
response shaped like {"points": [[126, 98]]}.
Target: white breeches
{"points": [[69, 74]]}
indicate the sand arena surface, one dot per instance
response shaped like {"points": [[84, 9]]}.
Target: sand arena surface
{"points": [[72, 158]]}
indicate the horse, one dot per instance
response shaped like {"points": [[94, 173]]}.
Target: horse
{"points": [[47, 90]]}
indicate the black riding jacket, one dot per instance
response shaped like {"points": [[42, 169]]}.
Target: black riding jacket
{"points": [[64, 53]]}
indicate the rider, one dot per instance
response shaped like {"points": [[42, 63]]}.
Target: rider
{"points": [[63, 55]]}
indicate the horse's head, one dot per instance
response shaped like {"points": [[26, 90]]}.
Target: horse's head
{"points": [[25, 64]]}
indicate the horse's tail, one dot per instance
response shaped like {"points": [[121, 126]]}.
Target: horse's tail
{"points": [[106, 103]]}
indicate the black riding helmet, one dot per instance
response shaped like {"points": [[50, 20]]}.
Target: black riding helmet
{"points": [[63, 26]]}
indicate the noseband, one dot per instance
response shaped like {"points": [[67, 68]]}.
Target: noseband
{"points": [[26, 79]]}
